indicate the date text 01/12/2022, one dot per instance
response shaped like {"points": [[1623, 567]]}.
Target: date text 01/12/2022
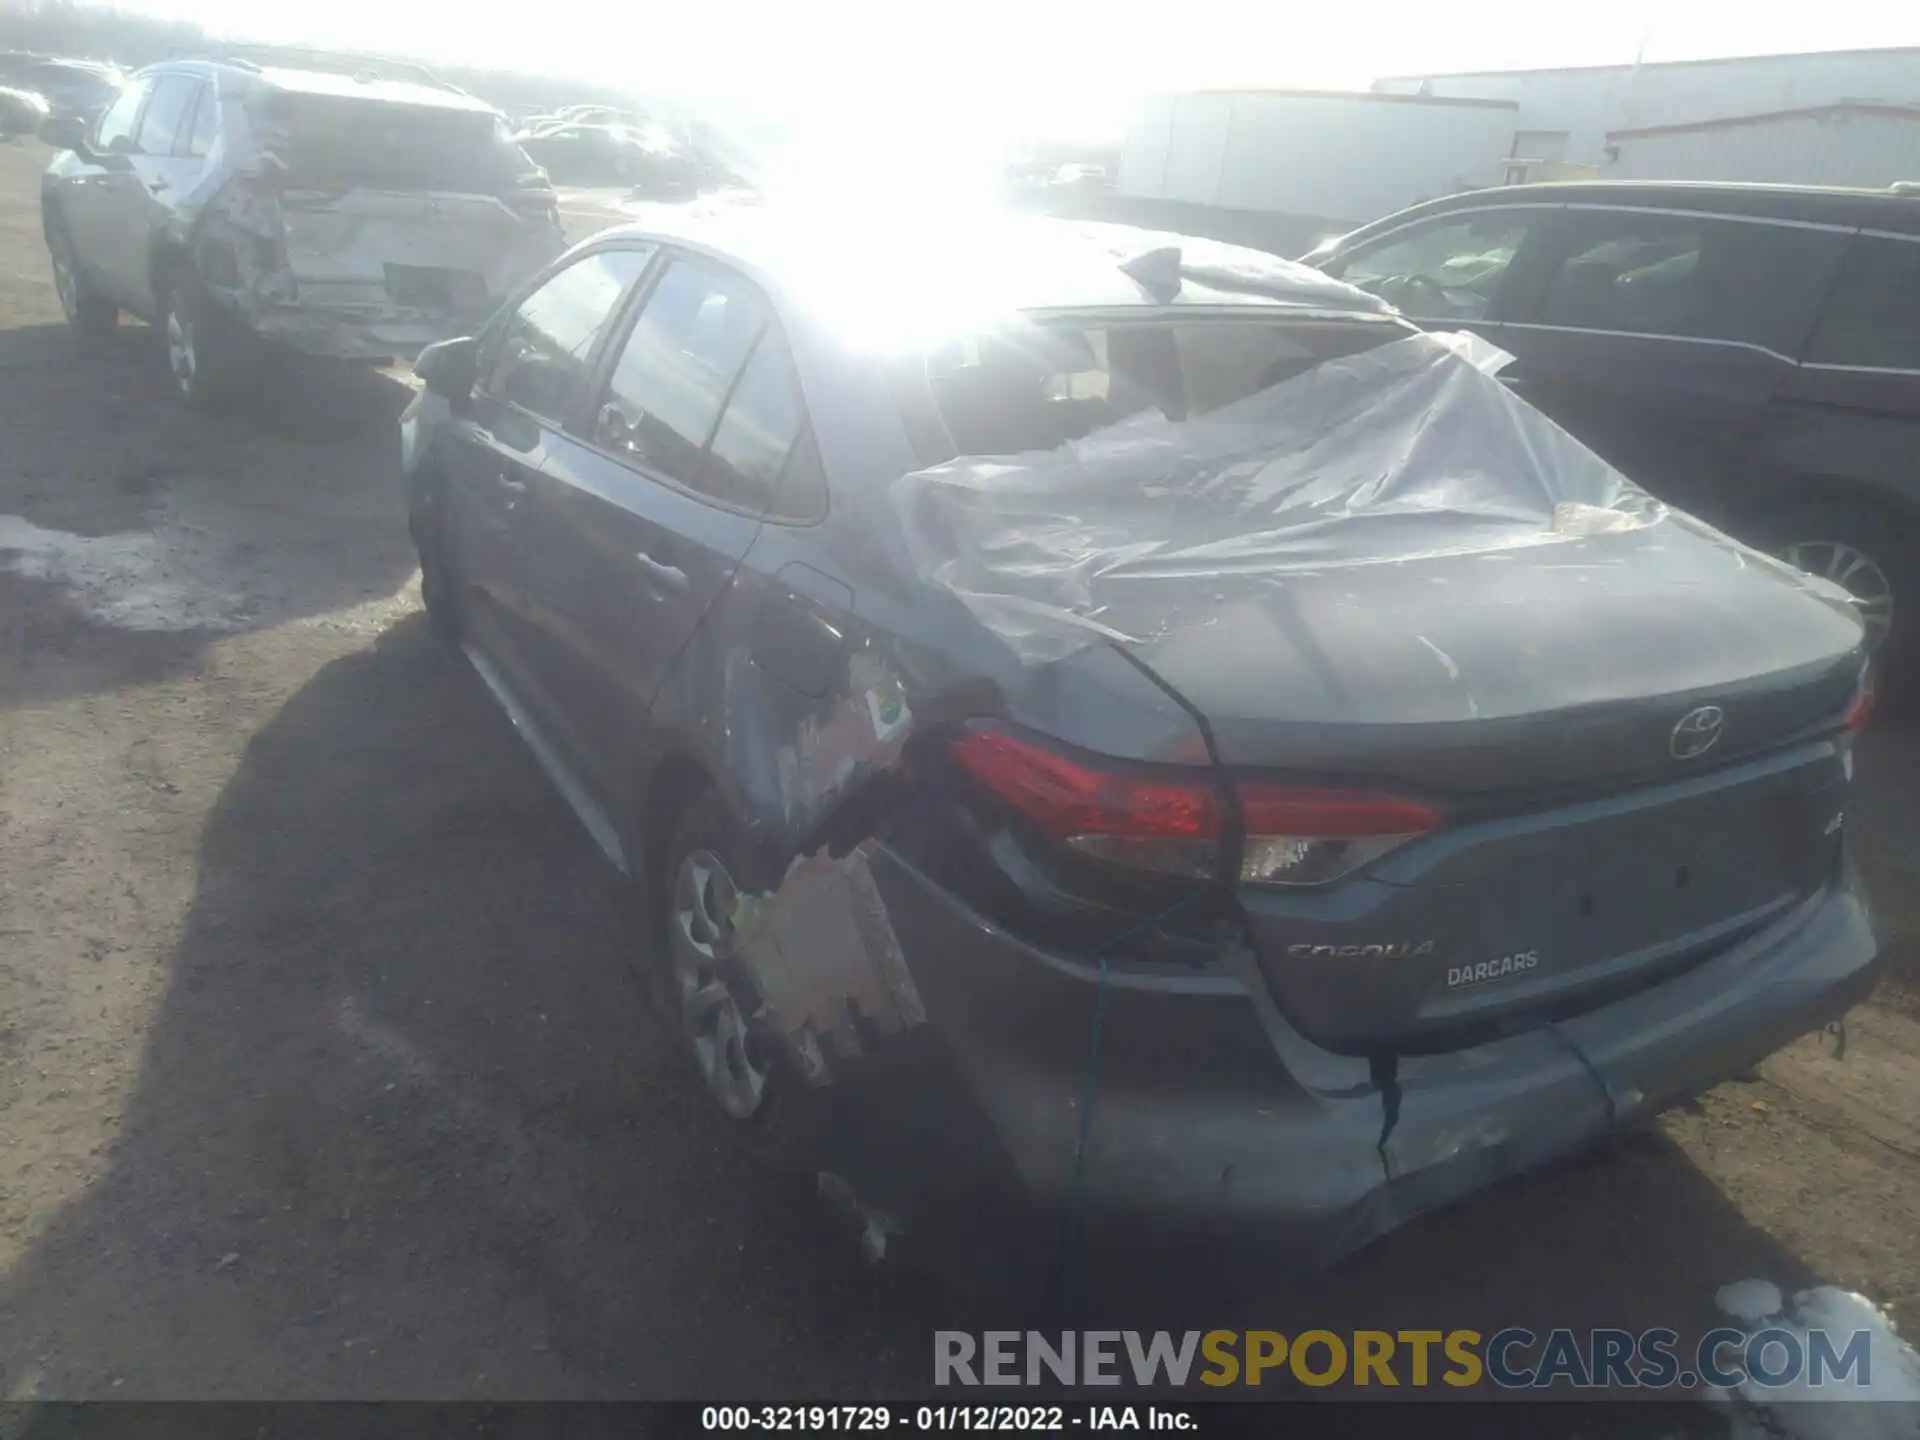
{"points": [[1039, 1418]]}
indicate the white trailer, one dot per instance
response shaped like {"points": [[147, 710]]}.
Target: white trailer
{"points": [[1344, 157]]}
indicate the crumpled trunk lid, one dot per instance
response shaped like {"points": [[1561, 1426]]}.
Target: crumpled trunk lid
{"points": [[1541, 671], [1629, 739], [1390, 576]]}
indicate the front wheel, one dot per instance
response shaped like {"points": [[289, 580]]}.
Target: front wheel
{"points": [[88, 311], [703, 1005]]}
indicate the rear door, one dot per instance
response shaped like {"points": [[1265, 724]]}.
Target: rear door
{"points": [[1662, 338], [93, 194], [164, 172], [645, 513], [1851, 414], [535, 363], [1855, 401]]}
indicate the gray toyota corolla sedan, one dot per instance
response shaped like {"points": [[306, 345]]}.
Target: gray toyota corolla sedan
{"points": [[1113, 725]]}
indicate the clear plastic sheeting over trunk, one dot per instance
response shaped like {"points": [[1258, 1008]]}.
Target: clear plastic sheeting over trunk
{"points": [[1408, 451]]}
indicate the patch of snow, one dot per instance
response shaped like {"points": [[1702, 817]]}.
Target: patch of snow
{"points": [[168, 580], [1750, 1300], [1885, 1407]]}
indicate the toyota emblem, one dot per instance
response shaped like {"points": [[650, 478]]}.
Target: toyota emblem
{"points": [[1697, 732]]}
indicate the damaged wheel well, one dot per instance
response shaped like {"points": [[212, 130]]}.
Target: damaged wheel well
{"points": [[164, 265], [676, 782]]}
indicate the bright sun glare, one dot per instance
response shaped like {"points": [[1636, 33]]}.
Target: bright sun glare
{"points": [[907, 94]]}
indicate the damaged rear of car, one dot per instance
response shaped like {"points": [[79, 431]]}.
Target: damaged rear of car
{"points": [[235, 206], [1122, 728], [372, 225]]}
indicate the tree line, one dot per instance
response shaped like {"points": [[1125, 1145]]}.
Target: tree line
{"points": [[78, 30]]}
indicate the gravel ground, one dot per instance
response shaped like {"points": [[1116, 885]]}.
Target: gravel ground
{"points": [[323, 1066]]}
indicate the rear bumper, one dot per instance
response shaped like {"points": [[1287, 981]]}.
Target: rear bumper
{"points": [[358, 335], [1211, 1116]]}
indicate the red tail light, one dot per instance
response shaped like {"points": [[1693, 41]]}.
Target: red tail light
{"points": [[1861, 710], [1293, 836]]}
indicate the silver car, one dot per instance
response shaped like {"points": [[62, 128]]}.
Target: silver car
{"points": [[238, 207]]}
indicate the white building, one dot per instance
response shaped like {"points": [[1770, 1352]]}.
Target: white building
{"points": [[1565, 116], [1284, 169], [1847, 144], [1341, 157]]}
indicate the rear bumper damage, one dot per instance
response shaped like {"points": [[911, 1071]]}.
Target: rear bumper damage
{"points": [[355, 335], [363, 275], [1210, 1117]]}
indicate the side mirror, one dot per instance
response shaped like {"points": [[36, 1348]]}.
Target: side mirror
{"points": [[450, 369], [65, 132]]}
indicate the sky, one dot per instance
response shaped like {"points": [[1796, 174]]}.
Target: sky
{"points": [[1067, 67]]}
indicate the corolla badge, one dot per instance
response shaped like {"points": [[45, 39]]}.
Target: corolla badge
{"points": [[1697, 732]]}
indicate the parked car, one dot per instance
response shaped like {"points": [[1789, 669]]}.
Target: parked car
{"points": [[1751, 352], [77, 88], [1003, 655], [1080, 176], [588, 154], [22, 112], [237, 207]]}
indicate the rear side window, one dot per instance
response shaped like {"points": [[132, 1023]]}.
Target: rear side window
{"points": [[1038, 384], [1691, 278], [541, 358], [206, 121], [1873, 316], [173, 97], [756, 437], [676, 372], [1444, 270]]}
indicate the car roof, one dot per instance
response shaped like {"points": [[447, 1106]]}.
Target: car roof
{"points": [[943, 270], [286, 80], [1804, 204]]}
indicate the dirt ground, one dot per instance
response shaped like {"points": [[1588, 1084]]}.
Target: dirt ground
{"points": [[324, 1070]]}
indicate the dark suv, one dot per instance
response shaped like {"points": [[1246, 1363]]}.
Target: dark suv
{"points": [[1751, 352]]}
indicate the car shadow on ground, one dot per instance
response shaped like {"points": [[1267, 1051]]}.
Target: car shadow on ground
{"points": [[133, 531], [406, 1127]]}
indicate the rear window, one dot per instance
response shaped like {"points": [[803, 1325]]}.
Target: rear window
{"points": [[325, 140], [1039, 384], [1645, 274]]}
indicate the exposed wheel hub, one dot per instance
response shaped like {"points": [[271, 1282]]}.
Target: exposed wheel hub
{"points": [[701, 936], [182, 359]]}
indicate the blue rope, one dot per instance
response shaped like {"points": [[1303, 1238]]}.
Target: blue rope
{"points": [[1090, 1094]]}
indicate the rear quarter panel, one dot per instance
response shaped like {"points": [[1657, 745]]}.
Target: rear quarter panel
{"points": [[828, 653]]}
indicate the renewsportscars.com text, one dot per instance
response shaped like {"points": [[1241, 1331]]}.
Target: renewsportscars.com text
{"points": [[1511, 1359]]}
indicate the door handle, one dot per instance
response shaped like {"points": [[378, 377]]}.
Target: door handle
{"points": [[661, 577], [511, 485]]}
